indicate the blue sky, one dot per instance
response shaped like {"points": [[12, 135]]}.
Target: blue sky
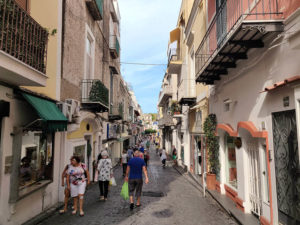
{"points": [[145, 28]]}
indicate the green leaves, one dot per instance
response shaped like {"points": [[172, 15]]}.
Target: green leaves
{"points": [[212, 142]]}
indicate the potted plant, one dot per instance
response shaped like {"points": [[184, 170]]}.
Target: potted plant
{"points": [[175, 108], [212, 144]]}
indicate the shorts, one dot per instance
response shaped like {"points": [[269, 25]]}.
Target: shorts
{"points": [[78, 189], [135, 185]]}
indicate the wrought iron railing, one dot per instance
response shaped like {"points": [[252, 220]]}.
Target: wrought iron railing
{"points": [[21, 36], [173, 54], [94, 91], [228, 16], [114, 44], [117, 110]]}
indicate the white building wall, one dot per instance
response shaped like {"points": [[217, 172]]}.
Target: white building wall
{"points": [[243, 85]]}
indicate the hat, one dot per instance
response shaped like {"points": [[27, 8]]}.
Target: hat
{"points": [[104, 153]]}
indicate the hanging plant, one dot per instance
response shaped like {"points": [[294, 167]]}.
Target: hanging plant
{"points": [[210, 125], [175, 107]]}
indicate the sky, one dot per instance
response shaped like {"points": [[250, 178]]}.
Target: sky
{"points": [[145, 29]]}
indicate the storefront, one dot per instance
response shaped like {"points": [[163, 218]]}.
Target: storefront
{"points": [[30, 135]]}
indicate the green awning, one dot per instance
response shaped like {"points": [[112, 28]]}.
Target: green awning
{"points": [[52, 117]]}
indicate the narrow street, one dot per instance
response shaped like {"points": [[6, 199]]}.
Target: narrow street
{"points": [[182, 203]]}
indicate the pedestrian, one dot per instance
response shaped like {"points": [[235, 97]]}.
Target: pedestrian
{"points": [[163, 157], [77, 179], [104, 174], [174, 155], [146, 157], [129, 154], [124, 162], [134, 176], [66, 191]]}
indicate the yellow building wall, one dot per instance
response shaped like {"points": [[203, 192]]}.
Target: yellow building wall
{"points": [[81, 131], [46, 13]]}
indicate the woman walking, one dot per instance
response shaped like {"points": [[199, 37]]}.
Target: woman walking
{"points": [[124, 161], [163, 157], [105, 173], [77, 179]]}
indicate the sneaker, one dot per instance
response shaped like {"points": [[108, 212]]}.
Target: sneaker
{"points": [[131, 206]]}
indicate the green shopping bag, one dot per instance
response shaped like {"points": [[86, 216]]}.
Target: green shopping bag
{"points": [[125, 191]]}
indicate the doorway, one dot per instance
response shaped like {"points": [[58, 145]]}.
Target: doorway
{"points": [[286, 166]]}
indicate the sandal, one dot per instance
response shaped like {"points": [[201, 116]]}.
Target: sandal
{"points": [[81, 214], [101, 198], [74, 212], [62, 211], [138, 205]]}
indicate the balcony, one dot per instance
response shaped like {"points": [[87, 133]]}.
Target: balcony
{"points": [[114, 46], [174, 61], [116, 112], [164, 95], [23, 47], [237, 27], [166, 121], [94, 96], [95, 8], [187, 92]]}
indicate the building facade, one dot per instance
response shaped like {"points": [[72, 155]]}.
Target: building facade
{"points": [[31, 125], [243, 55]]}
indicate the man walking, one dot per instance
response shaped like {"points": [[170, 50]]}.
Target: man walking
{"points": [[135, 168]]}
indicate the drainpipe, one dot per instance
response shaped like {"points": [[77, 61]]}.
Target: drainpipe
{"points": [[63, 36]]}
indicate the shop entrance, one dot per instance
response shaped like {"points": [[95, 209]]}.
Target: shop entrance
{"points": [[287, 166], [198, 154]]}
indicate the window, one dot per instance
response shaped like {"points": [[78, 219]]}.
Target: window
{"points": [[89, 53], [199, 120], [80, 152], [89, 59], [265, 175], [36, 158], [231, 173]]}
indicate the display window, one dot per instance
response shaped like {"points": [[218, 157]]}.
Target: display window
{"points": [[36, 159], [231, 172]]}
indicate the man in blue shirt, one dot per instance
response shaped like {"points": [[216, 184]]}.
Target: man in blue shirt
{"points": [[135, 168]]}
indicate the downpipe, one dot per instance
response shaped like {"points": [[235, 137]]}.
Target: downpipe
{"points": [[204, 183]]}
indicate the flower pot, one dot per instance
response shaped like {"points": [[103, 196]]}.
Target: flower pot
{"points": [[211, 181], [176, 113]]}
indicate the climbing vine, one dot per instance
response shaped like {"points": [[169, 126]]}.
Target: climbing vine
{"points": [[212, 142]]}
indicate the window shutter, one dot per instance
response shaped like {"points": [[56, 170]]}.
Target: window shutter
{"points": [[23, 4]]}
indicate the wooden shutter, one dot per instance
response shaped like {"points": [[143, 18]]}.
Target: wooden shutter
{"points": [[23, 4]]}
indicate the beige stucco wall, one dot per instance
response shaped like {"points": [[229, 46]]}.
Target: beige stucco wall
{"points": [[48, 14]]}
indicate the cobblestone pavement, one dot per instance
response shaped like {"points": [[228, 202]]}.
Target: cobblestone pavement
{"points": [[182, 203]]}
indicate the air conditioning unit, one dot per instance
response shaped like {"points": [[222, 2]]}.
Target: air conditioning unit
{"points": [[75, 107], [66, 109]]}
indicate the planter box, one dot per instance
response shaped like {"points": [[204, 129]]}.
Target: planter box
{"points": [[211, 181]]}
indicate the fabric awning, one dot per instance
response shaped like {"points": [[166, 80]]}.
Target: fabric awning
{"points": [[52, 117]]}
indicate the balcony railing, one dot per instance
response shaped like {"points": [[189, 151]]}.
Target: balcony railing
{"points": [[173, 54], [164, 94], [187, 91], [96, 8], [114, 45], [229, 16], [94, 92], [116, 111], [21, 36]]}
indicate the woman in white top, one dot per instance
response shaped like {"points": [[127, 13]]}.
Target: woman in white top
{"points": [[124, 162], [104, 174], [163, 157], [77, 179]]}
